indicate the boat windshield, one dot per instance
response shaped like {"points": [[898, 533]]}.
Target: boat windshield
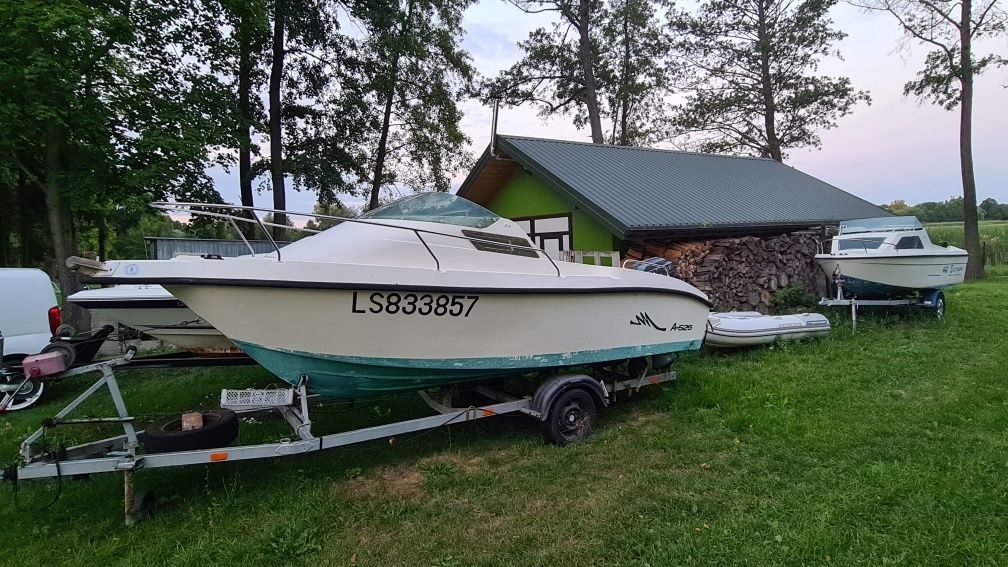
{"points": [[873, 243], [880, 225], [435, 207]]}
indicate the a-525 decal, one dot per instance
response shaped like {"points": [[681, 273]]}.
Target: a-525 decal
{"points": [[645, 320], [438, 305]]}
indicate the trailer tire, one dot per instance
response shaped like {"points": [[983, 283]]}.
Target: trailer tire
{"points": [[220, 429], [939, 306], [571, 417]]}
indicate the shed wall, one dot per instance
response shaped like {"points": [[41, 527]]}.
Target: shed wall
{"points": [[523, 196]]}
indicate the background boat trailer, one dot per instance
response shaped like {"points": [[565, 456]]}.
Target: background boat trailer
{"points": [[121, 453], [932, 299]]}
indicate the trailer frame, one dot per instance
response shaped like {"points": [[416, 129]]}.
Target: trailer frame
{"points": [[933, 299], [122, 453]]}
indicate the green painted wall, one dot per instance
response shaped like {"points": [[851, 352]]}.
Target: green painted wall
{"points": [[525, 196]]}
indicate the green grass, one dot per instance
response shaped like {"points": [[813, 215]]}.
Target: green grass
{"points": [[994, 234], [887, 446]]}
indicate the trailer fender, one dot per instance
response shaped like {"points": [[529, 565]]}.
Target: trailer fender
{"points": [[550, 389]]}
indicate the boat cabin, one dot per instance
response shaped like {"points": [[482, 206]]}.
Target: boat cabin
{"points": [[882, 236]]}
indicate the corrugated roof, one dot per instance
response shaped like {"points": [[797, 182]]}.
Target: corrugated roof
{"points": [[639, 190]]}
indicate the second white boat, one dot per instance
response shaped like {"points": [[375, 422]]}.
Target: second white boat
{"points": [[150, 309]]}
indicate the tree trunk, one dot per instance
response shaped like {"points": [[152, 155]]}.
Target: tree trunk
{"points": [[61, 225], [624, 95], [6, 222], [588, 68], [975, 267], [773, 148], [102, 237], [379, 169], [276, 128], [393, 81], [24, 222], [245, 117]]}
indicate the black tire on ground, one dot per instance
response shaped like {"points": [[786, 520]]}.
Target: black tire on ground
{"points": [[570, 419], [220, 429]]}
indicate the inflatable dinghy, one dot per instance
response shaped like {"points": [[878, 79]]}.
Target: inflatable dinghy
{"points": [[747, 328]]}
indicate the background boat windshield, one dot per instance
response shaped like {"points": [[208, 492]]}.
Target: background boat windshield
{"points": [[859, 243], [880, 224], [442, 208]]}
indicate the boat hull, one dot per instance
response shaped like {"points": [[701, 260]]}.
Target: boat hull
{"points": [[378, 342], [891, 277], [159, 315]]}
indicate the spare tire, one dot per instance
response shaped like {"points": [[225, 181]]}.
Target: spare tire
{"points": [[220, 429]]}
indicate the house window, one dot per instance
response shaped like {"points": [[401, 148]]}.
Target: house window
{"points": [[552, 234]]}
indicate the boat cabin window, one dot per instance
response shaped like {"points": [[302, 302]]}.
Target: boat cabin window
{"points": [[860, 243], [506, 246], [910, 243], [437, 207]]}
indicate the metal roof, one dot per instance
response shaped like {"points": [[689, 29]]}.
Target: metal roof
{"points": [[640, 191]]}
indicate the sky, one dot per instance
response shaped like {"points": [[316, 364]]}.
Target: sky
{"points": [[896, 148]]}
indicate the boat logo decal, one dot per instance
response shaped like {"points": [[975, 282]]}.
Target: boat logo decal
{"points": [[643, 319], [424, 304], [132, 269]]}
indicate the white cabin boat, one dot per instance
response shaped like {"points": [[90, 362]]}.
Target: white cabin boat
{"points": [[426, 291], [890, 257]]}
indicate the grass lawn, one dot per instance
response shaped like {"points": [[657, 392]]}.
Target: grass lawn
{"points": [[888, 446]]}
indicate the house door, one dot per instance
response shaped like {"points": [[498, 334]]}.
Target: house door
{"points": [[552, 234]]}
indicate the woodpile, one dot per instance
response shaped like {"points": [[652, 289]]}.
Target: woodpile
{"points": [[741, 273]]}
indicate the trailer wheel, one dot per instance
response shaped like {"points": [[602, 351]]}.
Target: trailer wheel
{"points": [[570, 418], [220, 429], [939, 306]]}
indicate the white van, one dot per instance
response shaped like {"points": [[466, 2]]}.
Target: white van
{"points": [[29, 313]]}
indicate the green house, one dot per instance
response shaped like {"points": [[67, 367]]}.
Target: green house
{"points": [[572, 196]]}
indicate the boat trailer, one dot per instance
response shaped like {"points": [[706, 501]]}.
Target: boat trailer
{"points": [[565, 406], [931, 299]]}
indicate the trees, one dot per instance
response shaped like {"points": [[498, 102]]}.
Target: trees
{"points": [[421, 73], [106, 106], [603, 63], [634, 69], [949, 28], [751, 75], [558, 70], [241, 56]]}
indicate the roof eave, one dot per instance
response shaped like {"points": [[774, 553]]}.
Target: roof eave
{"points": [[608, 222], [474, 173]]}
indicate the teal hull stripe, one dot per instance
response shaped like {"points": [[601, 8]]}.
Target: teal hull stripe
{"points": [[361, 376]]}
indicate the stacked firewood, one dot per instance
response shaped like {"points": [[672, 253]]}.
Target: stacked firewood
{"points": [[741, 273]]}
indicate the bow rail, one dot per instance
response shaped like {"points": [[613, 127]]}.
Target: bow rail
{"points": [[222, 211]]}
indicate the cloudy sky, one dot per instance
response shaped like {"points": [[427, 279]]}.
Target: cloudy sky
{"points": [[897, 148]]}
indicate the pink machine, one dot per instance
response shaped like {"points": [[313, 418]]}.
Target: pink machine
{"points": [[45, 364]]}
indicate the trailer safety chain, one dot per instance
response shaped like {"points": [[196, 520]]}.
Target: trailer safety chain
{"points": [[11, 474]]}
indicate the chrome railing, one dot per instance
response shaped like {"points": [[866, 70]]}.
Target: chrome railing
{"points": [[211, 210]]}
